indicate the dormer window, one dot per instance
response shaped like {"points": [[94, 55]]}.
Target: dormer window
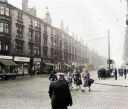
{"points": [[20, 17]]}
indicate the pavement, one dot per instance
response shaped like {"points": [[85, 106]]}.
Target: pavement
{"points": [[32, 93], [112, 82]]}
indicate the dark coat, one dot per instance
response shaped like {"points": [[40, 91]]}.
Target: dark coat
{"points": [[60, 94], [52, 77]]}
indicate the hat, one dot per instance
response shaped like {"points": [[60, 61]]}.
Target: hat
{"points": [[61, 74]]}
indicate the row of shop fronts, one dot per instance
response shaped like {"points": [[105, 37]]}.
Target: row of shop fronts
{"points": [[30, 65]]}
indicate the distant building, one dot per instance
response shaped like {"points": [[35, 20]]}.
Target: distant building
{"points": [[25, 8]]}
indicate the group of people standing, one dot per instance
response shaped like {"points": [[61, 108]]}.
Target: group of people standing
{"points": [[60, 84], [101, 73]]}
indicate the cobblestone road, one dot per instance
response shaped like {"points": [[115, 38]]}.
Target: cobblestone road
{"points": [[32, 93]]}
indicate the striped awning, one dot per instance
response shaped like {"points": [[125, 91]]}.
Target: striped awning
{"points": [[67, 65], [49, 64], [8, 62]]}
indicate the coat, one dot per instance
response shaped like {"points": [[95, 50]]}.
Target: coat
{"points": [[86, 78], [60, 94]]}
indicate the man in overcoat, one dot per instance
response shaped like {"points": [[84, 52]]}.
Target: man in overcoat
{"points": [[59, 93]]}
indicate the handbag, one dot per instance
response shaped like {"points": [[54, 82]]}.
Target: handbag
{"points": [[91, 81]]}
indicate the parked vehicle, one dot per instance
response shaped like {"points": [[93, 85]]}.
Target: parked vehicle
{"points": [[6, 76]]}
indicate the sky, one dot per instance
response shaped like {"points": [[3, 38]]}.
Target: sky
{"points": [[89, 19]]}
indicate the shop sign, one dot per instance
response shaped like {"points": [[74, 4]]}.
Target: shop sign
{"points": [[37, 59], [5, 57], [21, 59]]}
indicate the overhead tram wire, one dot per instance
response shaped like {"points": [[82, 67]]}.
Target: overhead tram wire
{"points": [[96, 39]]}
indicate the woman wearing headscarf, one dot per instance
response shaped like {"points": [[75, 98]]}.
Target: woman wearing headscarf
{"points": [[85, 79]]}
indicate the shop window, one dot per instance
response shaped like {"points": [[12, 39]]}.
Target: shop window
{"points": [[4, 27], [20, 31]]}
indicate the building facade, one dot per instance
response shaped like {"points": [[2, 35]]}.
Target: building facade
{"points": [[34, 44]]}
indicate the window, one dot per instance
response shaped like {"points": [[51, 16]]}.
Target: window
{"points": [[30, 22], [6, 46], [20, 17], [52, 41], [37, 50], [1, 27], [37, 24], [20, 31], [7, 11], [2, 10], [45, 40], [0, 45], [45, 28], [4, 27], [45, 50], [31, 34], [37, 36], [31, 49], [19, 47]]}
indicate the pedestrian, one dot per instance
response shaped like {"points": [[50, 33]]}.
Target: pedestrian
{"points": [[77, 79], [69, 78], [59, 93], [99, 73], [53, 76], [115, 73], [125, 73], [103, 73], [85, 75]]}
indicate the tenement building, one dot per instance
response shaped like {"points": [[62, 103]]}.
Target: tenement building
{"points": [[29, 44]]}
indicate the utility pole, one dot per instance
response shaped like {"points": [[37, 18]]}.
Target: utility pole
{"points": [[109, 50]]}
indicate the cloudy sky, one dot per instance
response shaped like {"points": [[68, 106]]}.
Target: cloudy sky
{"points": [[89, 19]]}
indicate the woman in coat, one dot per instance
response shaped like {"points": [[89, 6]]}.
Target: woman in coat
{"points": [[85, 79]]}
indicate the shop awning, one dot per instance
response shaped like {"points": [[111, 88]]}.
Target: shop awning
{"points": [[67, 65], [49, 64], [8, 62]]}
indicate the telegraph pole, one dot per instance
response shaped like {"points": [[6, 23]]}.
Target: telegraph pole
{"points": [[109, 50]]}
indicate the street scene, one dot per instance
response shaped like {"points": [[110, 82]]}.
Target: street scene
{"points": [[32, 93], [63, 54]]}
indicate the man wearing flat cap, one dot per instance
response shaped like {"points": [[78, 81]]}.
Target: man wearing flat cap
{"points": [[59, 93]]}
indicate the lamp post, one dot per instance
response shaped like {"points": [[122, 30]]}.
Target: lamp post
{"points": [[109, 50], [127, 13]]}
